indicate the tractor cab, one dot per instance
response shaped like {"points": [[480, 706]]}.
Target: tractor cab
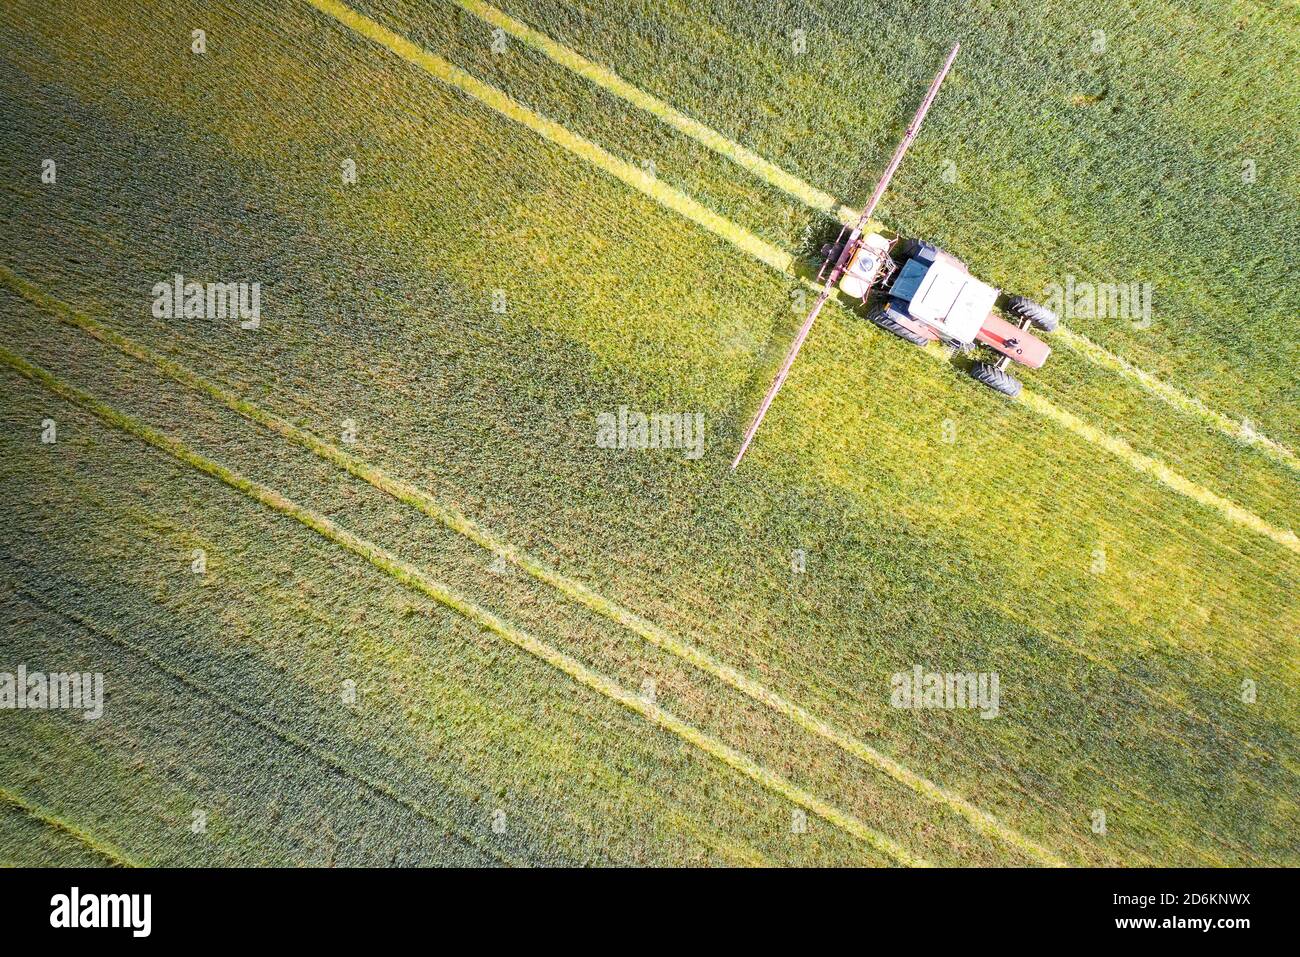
{"points": [[935, 289], [934, 296]]}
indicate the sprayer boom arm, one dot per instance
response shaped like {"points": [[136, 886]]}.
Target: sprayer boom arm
{"points": [[912, 129]]}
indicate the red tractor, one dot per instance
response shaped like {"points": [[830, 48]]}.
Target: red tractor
{"points": [[927, 294]]}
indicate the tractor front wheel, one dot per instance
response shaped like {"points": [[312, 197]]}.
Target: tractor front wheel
{"points": [[1041, 317], [883, 316], [995, 378]]}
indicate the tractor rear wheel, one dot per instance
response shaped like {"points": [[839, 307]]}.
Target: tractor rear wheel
{"points": [[996, 379], [883, 316], [1042, 317]]}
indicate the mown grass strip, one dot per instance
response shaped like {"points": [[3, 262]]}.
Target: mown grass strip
{"points": [[763, 251], [109, 852], [821, 201], [413, 578], [611, 82], [1186, 404], [490, 96], [455, 520], [1161, 472], [1145, 464]]}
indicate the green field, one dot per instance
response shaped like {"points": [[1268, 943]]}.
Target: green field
{"points": [[438, 624]]}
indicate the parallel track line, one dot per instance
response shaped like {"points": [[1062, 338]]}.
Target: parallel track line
{"points": [[105, 850], [412, 577], [455, 520]]}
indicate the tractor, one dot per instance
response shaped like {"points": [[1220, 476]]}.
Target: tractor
{"points": [[921, 294]]}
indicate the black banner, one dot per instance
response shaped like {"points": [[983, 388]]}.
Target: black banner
{"points": [[333, 907]]}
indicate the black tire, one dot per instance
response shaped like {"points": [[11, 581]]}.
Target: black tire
{"points": [[883, 316], [996, 379], [831, 253], [1040, 316]]}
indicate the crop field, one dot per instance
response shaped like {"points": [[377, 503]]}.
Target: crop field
{"points": [[366, 588]]}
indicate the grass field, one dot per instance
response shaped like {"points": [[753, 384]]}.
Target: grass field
{"points": [[439, 624]]}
